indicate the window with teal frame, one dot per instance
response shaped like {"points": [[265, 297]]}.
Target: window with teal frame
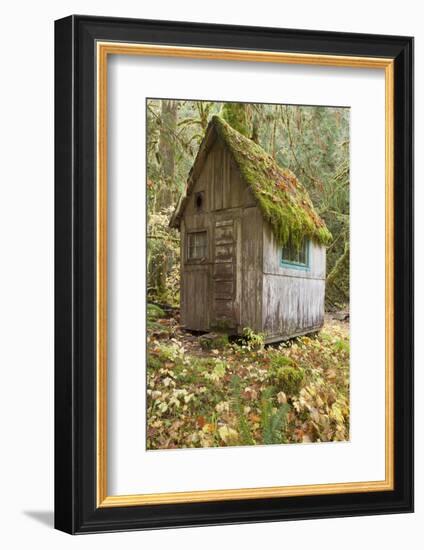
{"points": [[295, 257]]}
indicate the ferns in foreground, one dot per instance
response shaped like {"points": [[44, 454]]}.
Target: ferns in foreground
{"points": [[242, 421], [273, 421]]}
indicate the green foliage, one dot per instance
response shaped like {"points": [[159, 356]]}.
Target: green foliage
{"points": [[217, 342], [337, 283], [154, 312], [342, 346], [278, 360], [170, 352], [243, 428], [210, 398], [273, 420], [217, 372], [163, 260], [287, 378], [153, 362], [251, 339]]}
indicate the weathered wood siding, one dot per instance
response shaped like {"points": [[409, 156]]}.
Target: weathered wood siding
{"points": [[211, 289], [226, 307], [292, 299], [251, 277]]}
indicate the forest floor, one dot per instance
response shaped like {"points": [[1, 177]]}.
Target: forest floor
{"points": [[206, 391]]}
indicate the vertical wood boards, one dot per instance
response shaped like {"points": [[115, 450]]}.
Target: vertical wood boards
{"points": [[215, 282], [251, 273], [224, 271], [293, 299]]}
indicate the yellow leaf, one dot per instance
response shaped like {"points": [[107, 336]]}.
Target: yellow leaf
{"points": [[228, 435], [336, 413], [208, 428]]}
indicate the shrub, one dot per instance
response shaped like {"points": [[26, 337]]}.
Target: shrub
{"points": [[154, 312], [286, 378], [218, 371], [210, 341], [342, 346], [163, 258], [279, 360], [252, 339], [170, 352], [153, 362]]}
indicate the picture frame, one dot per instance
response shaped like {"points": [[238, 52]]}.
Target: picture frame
{"points": [[83, 45]]}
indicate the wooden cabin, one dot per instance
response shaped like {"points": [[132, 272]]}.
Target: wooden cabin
{"points": [[252, 245]]}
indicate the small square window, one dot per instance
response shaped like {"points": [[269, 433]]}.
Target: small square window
{"points": [[196, 245], [199, 200], [295, 256]]}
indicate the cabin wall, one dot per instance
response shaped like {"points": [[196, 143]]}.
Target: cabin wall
{"points": [[241, 282], [293, 299], [251, 278], [211, 290]]}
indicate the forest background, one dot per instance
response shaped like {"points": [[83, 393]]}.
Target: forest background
{"points": [[313, 142], [214, 391]]}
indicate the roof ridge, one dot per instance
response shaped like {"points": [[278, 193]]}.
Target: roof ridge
{"points": [[282, 198]]}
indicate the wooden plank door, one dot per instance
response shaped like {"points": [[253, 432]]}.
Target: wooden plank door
{"points": [[195, 310], [224, 275]]}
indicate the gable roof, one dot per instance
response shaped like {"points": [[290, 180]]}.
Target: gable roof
{"points": [[282, 199]]}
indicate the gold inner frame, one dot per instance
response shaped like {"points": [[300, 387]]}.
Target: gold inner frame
{"points": [[104, 49]]}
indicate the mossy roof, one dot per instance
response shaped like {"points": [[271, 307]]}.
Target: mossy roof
{"points": [[282, 199]]}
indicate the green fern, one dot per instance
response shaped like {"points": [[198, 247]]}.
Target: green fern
{"points": [[273, 421], [243, 427]]}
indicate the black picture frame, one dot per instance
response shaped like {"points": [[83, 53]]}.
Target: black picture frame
{"points": [[76, 510]]}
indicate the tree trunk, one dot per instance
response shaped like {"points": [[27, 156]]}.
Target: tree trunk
{"points": [[167, 151], [334, 278], [237, 117]]}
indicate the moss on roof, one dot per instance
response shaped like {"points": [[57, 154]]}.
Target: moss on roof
{"points": [[283, 200]]}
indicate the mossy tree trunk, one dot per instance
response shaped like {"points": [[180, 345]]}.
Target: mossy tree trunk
{"points": [[337, 282], [167, 150], [236, 115]]}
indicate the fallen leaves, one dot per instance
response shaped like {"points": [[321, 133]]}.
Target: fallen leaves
{"points": [[222, 407], [250, 393], [208, 428], [190, 401], [281, 397], [200, 421], [228, 435]]}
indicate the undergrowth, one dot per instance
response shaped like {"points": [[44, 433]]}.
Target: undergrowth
{"points": [[245, 393]]}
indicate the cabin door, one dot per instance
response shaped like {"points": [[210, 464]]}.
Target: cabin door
{"points": [[224, 277]]}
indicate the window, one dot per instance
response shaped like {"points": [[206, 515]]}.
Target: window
{"points": [[293, 256], [196, 245], [198, 201]]}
